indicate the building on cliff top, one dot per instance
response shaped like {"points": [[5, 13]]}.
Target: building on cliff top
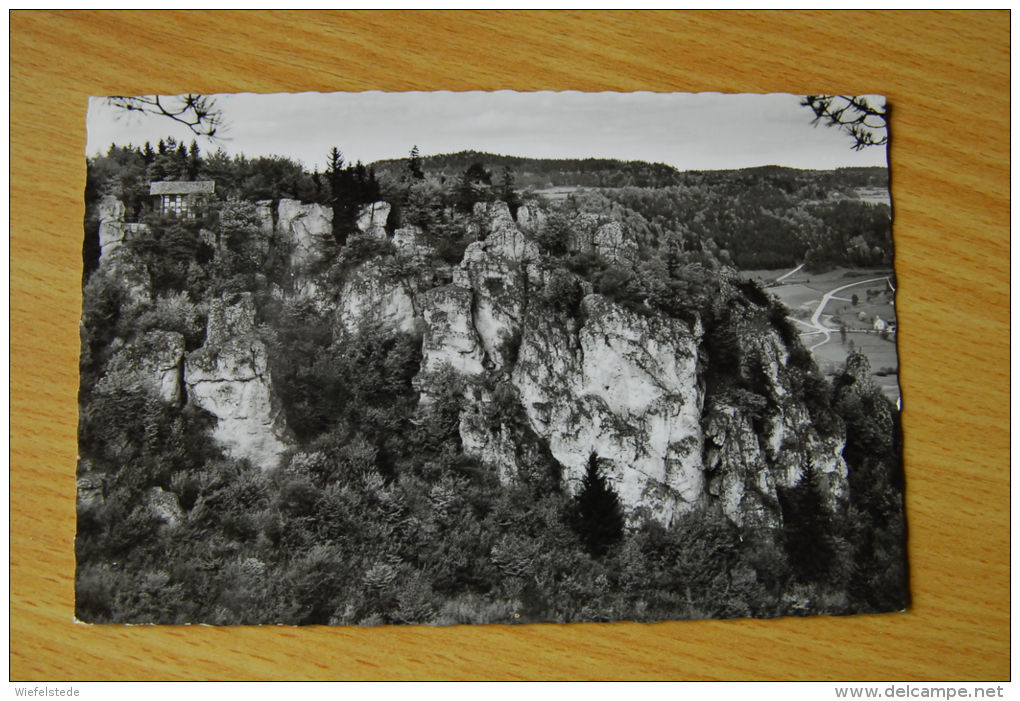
{"points": [[181, 199]]}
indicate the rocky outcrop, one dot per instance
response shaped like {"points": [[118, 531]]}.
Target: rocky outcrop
{"points": [[265, 214], [499, 217], [591, 234], [372, 295], [164, 506], [450, 337], [611, 243], [622, 387], [488, 218], [762, 440], [410, 242], [626, 386], [111, 226], [229, 377], [619, 385], [308, 228], [530, 218], [151, 363], [472, 324], [582, 233], [372, 220], [495, 270], [741, 478], [548, 381]]}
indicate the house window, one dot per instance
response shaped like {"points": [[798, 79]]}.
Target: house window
{"points": [[177, 206]]}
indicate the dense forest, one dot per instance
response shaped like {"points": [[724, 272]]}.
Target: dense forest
{"points": [[379, 511]]}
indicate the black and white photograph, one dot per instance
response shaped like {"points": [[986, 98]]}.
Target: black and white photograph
{"points": [[444, 358]]}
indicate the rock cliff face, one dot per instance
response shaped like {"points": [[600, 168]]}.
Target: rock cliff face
{"points": [[371, 293], [634, 387], [450, 336], [308, 228], [627, 387], [372, 220], [530, 218], [622, 387], [111, 226], [229, 377], [152, 362]]}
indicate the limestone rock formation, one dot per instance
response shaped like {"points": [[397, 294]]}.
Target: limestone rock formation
{"points": [[500, 217], [450, 336], [589, 234], [229, 377], [150, 363], [471, 323], [758, 442], [545, 381], [411, 243], [371, 294], [611, 243], [530, 218], [309, 230], [372, 219], [582, 233], [111, 226], [623, 387], [165, 506], [265, 213], [488, 218]]}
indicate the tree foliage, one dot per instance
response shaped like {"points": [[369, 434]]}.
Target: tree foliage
{"points": [[857, 116], [200, 113]]}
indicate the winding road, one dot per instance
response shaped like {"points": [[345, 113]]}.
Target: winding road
{"points": [[816, 317], [783, 277]]}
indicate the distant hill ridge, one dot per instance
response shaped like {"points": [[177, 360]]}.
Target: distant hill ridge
{"points": [[547, 172], [541, 173]]}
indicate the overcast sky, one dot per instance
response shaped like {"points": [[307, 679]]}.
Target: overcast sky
{"points": [[697, 131]]}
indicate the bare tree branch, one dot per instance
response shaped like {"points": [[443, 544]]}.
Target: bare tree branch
{"points": [[197, 112], [854, 115]]}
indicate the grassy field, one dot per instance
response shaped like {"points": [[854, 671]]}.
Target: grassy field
{"points": [[798, 298]]}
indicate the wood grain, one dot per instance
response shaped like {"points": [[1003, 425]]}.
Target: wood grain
{"points": [[947, 77]]}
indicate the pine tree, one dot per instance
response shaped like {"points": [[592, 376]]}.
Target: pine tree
{"points": [[335, 176], [598, 514], [807, 528], [194, 160], [508, 192], [414, 169]]}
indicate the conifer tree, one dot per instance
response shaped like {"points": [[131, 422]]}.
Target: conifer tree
{"points": [[508, 192], [194, 160], [807, 528], [598, 514], [335, 178], [414, 169]]}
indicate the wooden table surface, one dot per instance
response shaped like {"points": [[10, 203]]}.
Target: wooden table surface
{"points": [[946, 76]]}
